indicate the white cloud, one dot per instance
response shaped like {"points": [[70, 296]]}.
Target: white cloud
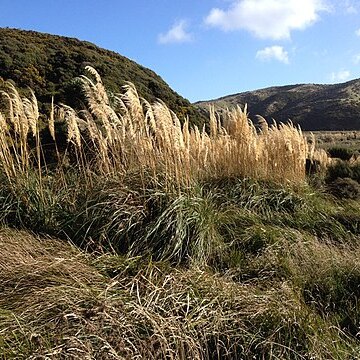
{"points": [[340, 76], [273, 52], [177, 34], [357, 32], [274, 19]]}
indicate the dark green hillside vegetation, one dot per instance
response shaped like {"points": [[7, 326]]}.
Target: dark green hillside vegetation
{"points": [[151, 239], [48, 64]]}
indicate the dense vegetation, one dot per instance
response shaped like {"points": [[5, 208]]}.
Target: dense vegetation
{"points": [[314, 107], [185, 244], [48, 64]]}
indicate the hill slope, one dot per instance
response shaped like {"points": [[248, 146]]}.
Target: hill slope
{"points": [[49, 63], [314, 107]]}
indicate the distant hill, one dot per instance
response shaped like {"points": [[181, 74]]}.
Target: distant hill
{"points": [[314, 107], [49, 63]]}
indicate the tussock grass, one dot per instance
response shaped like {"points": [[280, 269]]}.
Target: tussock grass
{"points": [[130, 136], [71, 306], [127, 179]]}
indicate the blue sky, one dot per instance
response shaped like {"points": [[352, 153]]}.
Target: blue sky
{"points": [[206, 49]]}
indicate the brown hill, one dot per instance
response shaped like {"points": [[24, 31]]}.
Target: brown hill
{"points": [[314, 107]]}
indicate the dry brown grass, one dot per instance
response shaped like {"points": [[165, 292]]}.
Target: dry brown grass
{"points": [[131, 136], [151, 138], [20, 120], [330, 139], [57, 303], [336, 136]]}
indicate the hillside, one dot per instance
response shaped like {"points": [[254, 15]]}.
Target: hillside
{"points": [[48, 64], [314, 107]]}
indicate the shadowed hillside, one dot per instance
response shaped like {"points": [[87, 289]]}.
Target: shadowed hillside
{"points": [[314, 107]]}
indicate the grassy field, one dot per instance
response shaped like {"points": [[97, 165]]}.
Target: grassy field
{"points": [[344, 139], [127, 233]]}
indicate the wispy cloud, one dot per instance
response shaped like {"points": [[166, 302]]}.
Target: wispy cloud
{"points": [[177, 34], [273, 52], [357, 32], [349, 7], [356, 59], [273, 19], [340, 76]]}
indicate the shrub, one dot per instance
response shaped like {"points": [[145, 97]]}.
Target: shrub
{"points": [[341, 169], [345, 188], [356, 171], [341, 153]]}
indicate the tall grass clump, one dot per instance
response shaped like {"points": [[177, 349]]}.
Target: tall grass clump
{"points": [[130, 136], [18, 124], [123, 147], [127, 136]]}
